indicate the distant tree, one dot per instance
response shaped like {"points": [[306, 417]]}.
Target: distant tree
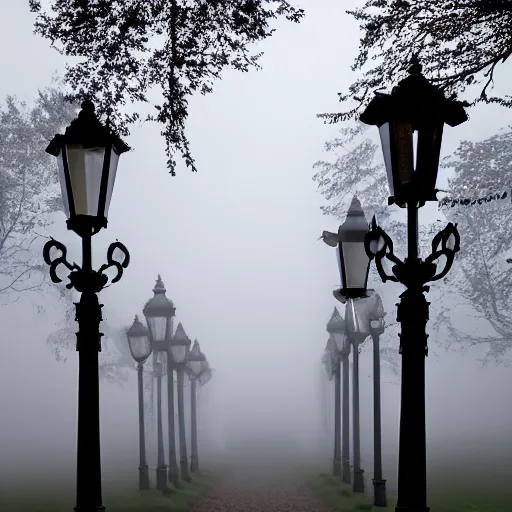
{"points": [[176, 47], [481, 276], [29, 189], [460, 45]]}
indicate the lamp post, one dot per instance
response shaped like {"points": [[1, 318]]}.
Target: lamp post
{"points": [[331, 360], [140, 348], [195, 366], [415, 107], [180, 345], [159, 312], [376, 329], [87, 157], [353, 264], [341, 348]]}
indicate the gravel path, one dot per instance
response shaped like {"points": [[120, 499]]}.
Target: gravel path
{"points": [[261, 490]]}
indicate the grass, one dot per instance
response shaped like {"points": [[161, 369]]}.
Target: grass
{"points": [[63, 500], [440, 499]]}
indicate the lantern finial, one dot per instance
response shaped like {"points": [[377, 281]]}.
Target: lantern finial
{"points": [[415, 67], [355, 207], [159, 286]]}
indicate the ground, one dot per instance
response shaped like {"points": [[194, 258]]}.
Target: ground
{"points": [[261, 488]]}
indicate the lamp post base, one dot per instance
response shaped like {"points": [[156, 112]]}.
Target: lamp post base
{"points": [[194, 465], [161, 478], [101, 508], [412, 509], [336, 468], [379, 493], [358, 481], [346, 477], [143, 478], [174, 476]]}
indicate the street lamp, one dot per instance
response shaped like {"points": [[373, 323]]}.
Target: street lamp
{"points": [[196, 360], [415, 107], [357, 330], [340, 350], [377, 327], [180, 345], [87, 157], [159, 312], [353, 265], [140, 348]]}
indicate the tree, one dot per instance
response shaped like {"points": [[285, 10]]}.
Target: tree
{"points": [[177, 47], [460, 44], [482, 277], [29, 189]]}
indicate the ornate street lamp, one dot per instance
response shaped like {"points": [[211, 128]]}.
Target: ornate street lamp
{"points": [[357, 330], [140, 348], [196, 361], [377, 328], [180, 345], [159, 312], [414, 107], [87, 157]]}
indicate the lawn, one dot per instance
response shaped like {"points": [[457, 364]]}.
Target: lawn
{"points": [[441, 499], [46, 500]]}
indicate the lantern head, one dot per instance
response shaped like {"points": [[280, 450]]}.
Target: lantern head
{"points": [[410, 122], [138, 341], [87, 157], [180, 343]]}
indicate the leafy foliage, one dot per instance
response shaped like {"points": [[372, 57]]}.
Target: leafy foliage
{"points": [[460, 44], [482, 276], [129, 48], [29, 189]]}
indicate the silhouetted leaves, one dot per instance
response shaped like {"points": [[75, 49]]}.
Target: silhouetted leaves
{"points": [[128, 49], [459, 43]]}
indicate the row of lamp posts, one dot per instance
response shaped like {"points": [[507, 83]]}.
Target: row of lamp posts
{"points": [[173, 354], [364, 316], [87, 159], [410, 121]]}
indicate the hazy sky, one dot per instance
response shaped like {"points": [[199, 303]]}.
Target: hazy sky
{"points": [[236, 245]]}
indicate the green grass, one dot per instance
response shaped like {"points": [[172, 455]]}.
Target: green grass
{"points": [[441, 498], [63, 500]]}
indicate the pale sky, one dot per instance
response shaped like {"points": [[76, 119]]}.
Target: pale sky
{"points": [[236, 245]]}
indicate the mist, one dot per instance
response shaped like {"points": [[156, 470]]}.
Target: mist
{"points": [[237, 247]]}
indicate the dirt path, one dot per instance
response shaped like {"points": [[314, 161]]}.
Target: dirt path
{"points": [[261, 490]]}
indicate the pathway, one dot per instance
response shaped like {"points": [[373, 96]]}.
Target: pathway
{"points": [[261, 489]]}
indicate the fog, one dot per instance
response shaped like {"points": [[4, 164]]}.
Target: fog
{"points": [[236, 245]]}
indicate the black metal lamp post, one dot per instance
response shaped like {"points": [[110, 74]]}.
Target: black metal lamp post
{"points": [[195, 364], [180, 345], [340, 351], [415, 106], [354, 265], [159, 312], [140, 348], [376, 329], [87, 157]]}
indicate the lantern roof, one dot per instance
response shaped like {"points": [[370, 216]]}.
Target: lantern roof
{"points": [[180, 336], [416, 99], [336, 323], [137, 329], [87, 130], [195, 353], [159, 304], [355, 227]]}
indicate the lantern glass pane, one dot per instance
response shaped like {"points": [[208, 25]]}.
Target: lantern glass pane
{"points": [[339, 340], [85, 171], [195, 367], [114, 160], [140, 347], [385, 140], [179, 353], [356, 264], [62, 179], [158, 327], [404, 152]]}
